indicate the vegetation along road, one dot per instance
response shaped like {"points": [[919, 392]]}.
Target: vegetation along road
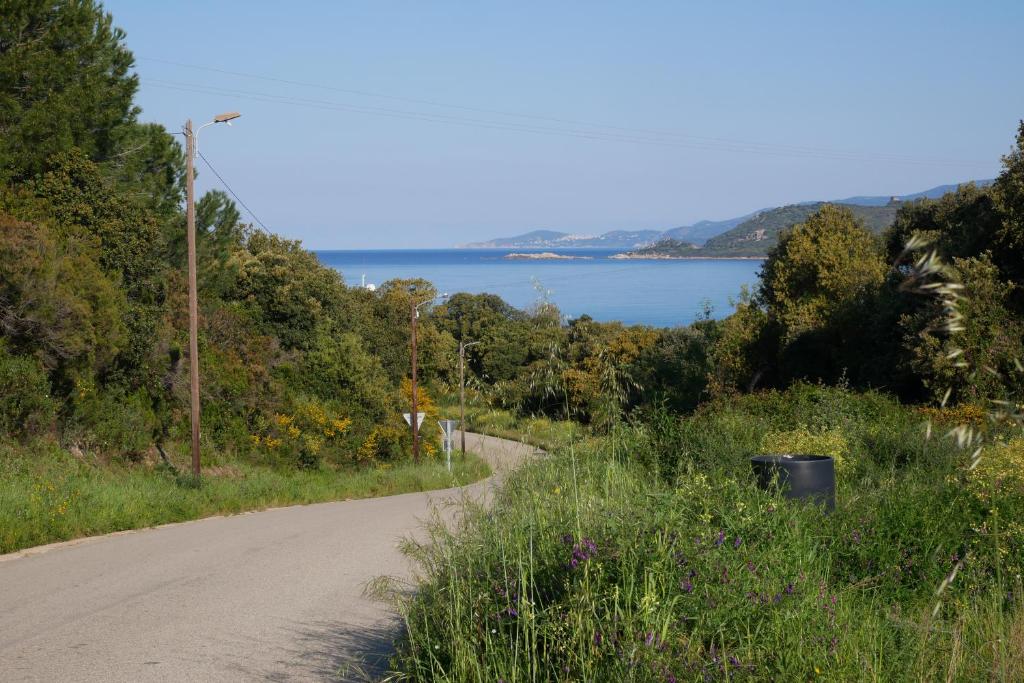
{"points": [[275, 595]]}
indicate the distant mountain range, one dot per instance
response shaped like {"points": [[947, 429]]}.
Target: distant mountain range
{"points": [[750, 234], [548, 239]]}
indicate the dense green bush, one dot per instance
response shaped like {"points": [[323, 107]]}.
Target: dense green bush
{"points": [[25, 404]]}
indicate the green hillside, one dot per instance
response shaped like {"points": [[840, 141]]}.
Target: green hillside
{"points": [[757, 235]]}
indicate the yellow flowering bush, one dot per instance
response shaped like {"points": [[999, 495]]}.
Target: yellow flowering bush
{"points": [[430, 434], [385, 443], [803, 440], [303, 433], [964, 414], [1001, 470], [997, 483]]}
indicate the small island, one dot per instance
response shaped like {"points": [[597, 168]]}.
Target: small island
{"points": [[546, 256]]}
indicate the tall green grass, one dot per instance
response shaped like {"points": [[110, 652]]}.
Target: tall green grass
{"points": [[47, 495], [652, 556], [535, 430]]}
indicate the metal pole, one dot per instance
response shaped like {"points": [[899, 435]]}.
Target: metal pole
{"points": [[462, 396], [415, 416], [193, 297]]}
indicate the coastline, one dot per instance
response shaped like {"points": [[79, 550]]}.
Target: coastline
{"points": [[667, 257]]}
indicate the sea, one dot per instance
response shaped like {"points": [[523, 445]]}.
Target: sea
{"points": [[660, 293]]}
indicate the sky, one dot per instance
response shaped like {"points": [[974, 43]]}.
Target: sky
{"points": [[382, 124]]}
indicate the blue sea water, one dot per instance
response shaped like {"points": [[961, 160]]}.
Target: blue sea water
{"points": [[658, 293]]}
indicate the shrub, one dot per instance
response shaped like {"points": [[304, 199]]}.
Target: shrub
{"points": [[110, 421], [385, 444], [803, 441], [25, 404]]}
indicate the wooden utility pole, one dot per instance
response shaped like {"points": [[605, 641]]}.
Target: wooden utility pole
{"points": [[462, 396], [414, 417], [462, 392], [193, 296]]}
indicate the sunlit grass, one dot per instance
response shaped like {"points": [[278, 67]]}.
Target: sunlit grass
{"points": [[47, 495], [606, 562]]}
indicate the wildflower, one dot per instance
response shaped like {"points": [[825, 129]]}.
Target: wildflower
{"points": [[789, 588], [720, 540], [737, 543], [567, 539], [582, 551], [649, 639], [687, 586], [855, 536], [597, 639]]}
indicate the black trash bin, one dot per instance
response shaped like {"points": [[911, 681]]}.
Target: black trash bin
{"points": [[811, 477]]}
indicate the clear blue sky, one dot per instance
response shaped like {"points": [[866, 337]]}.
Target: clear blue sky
{"points": [[857, 87]]}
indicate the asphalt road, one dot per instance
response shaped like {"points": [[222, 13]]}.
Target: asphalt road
{"points": [[267, 596]]}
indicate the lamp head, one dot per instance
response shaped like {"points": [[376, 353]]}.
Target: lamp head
{"points": [[226, 117]]}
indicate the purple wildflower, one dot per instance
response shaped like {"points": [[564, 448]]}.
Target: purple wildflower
{"points": [[687, 586], [649, 639], [789, 588], [720, 540], [737, 543], [597, 639]]}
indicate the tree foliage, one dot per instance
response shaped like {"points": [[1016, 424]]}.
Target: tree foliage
{"points": [[65, 83]]}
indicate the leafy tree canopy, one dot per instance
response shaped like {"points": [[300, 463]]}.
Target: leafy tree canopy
{"points": [[65, 82]]}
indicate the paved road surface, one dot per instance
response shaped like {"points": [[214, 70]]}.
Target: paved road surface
{"points": [[268, 596]]}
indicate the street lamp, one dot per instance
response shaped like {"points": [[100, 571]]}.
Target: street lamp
{"points": [[462, 392], [191, 149], [414, 417]]}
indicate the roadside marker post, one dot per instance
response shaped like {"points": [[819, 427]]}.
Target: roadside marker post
{"points": [[448, 430]]}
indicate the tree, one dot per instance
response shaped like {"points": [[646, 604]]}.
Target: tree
{"points": [[818, 270], [286, 288], [83, 203], [992, 338], [55, 301], [1009, 196], [65, 82], [148, 168]]}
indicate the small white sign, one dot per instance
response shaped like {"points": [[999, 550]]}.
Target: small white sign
{"points": [[419, 419], [447, 427]]}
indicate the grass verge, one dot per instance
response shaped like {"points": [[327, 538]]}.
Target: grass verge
{"points": [[47, 495], [537, 431], [651, 555]]}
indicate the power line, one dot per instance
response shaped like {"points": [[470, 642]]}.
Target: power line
{"points": [[233, 194], [634, 135]]}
